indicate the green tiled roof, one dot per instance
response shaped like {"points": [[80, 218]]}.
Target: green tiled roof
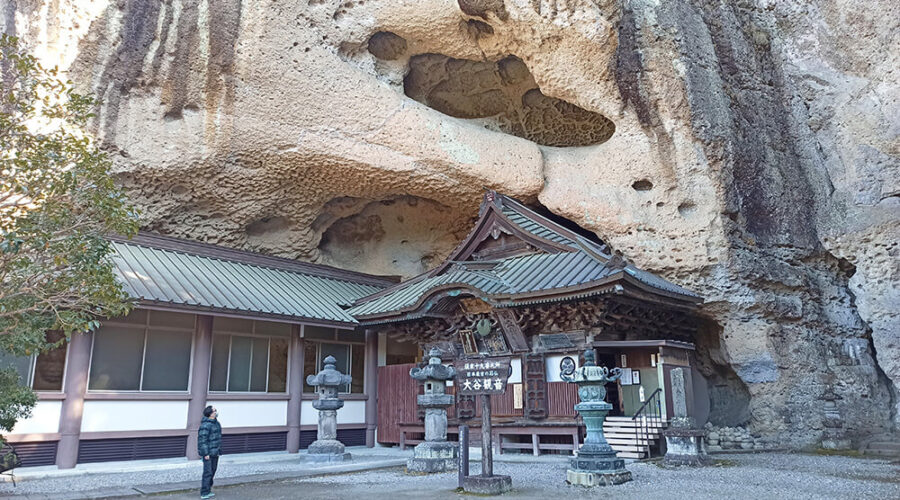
{"points": [[155, 270], [535, 228]]}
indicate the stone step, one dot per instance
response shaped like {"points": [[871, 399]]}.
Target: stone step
{"points": [[883, 449], [630, 435], [614, 441], [625, 447], [627, 419], [632, 425], [888, 445], [630, 454]]}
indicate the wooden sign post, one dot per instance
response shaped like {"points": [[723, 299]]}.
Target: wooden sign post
{"points": [[484, 377]]}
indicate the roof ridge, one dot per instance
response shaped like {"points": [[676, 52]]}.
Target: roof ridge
{"points": [[520, 208], [487, 274]]}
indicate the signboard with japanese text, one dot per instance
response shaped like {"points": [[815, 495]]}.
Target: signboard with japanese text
{"points": [[482, 376]]}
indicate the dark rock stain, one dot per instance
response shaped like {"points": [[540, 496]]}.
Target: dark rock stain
{"points": [[224, 27], [175, 88], [735, 90], [630, 68], [629, 74], [124, 71]]}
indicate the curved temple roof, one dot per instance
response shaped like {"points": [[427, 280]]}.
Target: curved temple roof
{"points": [[540, 261]]}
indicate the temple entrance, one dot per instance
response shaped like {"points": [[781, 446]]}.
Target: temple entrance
{"points": [[525, 287], [608, 360]]}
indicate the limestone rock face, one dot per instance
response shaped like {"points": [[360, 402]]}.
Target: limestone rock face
{"points": [[748, 150]]}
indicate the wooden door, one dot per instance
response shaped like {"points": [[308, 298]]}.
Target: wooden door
{"points": [[397, 393]]}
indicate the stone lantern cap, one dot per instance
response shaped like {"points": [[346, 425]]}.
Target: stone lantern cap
{"points": [[434, 370], [329, 376], [592, 380]]}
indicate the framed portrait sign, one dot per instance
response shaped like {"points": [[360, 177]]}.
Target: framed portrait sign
{"points": [[635, 377]]}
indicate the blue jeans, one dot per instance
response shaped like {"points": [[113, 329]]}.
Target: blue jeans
{"points": [[209, 470]]}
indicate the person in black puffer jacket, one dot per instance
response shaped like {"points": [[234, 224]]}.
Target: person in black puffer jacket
{"points": [[209, 443]]}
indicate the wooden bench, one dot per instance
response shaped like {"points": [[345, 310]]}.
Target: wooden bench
{"points": [[535, 430], [417, 428], [500, 429]]}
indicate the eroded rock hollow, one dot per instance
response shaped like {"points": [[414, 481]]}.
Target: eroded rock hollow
{"points": [[746, 150]]}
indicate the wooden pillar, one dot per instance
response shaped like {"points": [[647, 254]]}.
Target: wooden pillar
{"points": [[371, 386], [295, 387], [199, 381], [487, 459], [75, 386]]}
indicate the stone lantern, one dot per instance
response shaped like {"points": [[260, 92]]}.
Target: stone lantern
{"points": [[326, 447], [435, 454], [596, 463]]}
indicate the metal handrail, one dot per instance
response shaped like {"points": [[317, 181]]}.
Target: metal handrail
{"points": [[652, 395], [642, 427]]}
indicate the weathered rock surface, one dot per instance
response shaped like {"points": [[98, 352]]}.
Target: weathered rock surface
{"points": [[748, 150]]}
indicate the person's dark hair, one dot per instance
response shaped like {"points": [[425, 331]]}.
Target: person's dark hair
{"points": [[207, 411]]}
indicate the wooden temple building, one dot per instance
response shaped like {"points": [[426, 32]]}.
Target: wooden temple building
{"points": [[522, 285], [241, 331]]}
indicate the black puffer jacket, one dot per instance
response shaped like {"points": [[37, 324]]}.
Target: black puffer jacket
{"points": [[209, 437]]}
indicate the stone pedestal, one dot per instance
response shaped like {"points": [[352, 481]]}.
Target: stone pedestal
{"points": [[685, 443], [435, 454], [685, 447], [433, 457], [492, 485], [596, 463], [591, 479], [326, 447]]}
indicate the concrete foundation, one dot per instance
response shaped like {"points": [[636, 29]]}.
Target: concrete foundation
{"points": [[430, 457], [493, 485], [343, 457], [590, 479], [685, 447], [327, 450]]}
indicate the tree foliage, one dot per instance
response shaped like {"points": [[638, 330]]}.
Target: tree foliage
{"points": [[16, 400], [58, 202]]}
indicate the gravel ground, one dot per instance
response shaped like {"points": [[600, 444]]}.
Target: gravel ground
{"points": [[739, 476], [166, 473]]}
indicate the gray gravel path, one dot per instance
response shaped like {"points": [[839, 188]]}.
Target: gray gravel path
{"points": [[756, 476], [106, 480]]}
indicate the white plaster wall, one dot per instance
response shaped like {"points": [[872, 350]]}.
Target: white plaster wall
{"points": [[105, 416], [553, 366], [44, 419], [251, 413], [353, 412], [308, 414], [516, 377]]}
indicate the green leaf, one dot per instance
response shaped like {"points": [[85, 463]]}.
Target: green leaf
{"points": [[56, 271]]}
